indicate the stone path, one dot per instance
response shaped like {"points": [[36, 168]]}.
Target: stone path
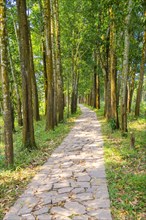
{"points": [[72, 183]]}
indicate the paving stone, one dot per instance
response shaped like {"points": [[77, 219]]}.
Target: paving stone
{"points": [[11, 217], [65, 190], [78, 190], [61, 185], [44, 217], [44, 188], [59, 217], [59, 198], [84, 217], [84, 196], [101, 214], [84, 178], [97, 173], [75, 207], [60, 211], [98, 203], [84, 184], [27, 217], [41, 211]]}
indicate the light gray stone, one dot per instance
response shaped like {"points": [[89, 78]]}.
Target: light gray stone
{"points": [[75, 207], [84, 196], [65, 190], [59, 198], [12, 217], [84, 184], [101, 214], [27, 217], [44, 217], [60, 211], [84, 217], [84, 178], [41, 211], [61, 185], [78, 190]]}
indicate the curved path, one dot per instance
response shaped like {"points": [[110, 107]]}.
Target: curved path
{"points": [[72, 183]]}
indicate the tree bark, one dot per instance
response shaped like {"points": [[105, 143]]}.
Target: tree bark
{"points": [[34, 84], [125, 70], [113, 73], [49, 66], [96, 81], [28, 129], [131, 85], [19, 105], [60, 99], [140, 85], [8, 134]]}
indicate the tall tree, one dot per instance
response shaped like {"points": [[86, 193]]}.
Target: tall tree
{"points": [[28, 128], [113, 71], [60, 100], [19, 105], [142, 67], [49, 65], [125, 68], [5, 86]]}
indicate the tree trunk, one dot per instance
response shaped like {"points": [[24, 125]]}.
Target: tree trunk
{"points": [[113, 75], [131, 85], [140, 85], [34, 84], [44, 54], [96, 81], [19, 109], [49, 66], [53, 39], [28, 129], [8, 134], [125, 70], [60, 99]]}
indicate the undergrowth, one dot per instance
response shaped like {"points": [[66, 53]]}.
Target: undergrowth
{"points": [[14, 180]]}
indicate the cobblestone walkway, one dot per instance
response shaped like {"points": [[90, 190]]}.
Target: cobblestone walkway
{"points": [[72, 183]]}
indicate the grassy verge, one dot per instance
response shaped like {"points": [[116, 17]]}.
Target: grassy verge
{"points": [[13, 181], [125, 168]]}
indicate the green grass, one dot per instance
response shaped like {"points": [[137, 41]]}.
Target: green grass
{"points": [[125, 168], [14, 180]]}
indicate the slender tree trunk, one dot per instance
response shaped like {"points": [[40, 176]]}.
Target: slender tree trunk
{"points": [[19, 105], [34, 84], [44, 53], [140, 85], [53, 39], [60, 99], [131, 85], [113, 75], [74, 86], [8, 134], [96, 81], [125, 70], [49, 66], [28, 128]]}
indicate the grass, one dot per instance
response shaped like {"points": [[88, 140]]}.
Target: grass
{"points": [[125, 168], [14, 180]]}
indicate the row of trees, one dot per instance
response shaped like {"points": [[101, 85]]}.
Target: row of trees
{"points": [[54, 52], [18, 14], [107, 52]]}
